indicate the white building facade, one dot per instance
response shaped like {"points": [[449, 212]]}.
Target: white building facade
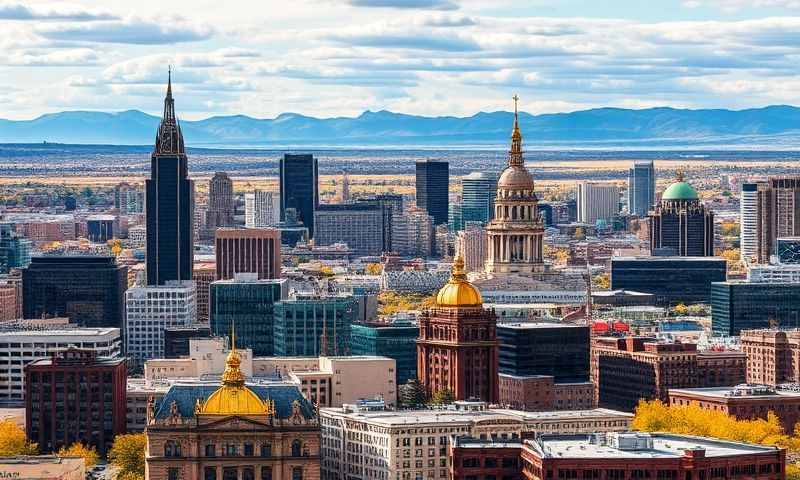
{"points": [[261, 209], [597, 202]]}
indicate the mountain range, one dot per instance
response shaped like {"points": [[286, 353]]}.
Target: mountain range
{"points": [[774, 126]]}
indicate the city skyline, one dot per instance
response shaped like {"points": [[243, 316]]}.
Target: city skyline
{"points": [[426, 57]]}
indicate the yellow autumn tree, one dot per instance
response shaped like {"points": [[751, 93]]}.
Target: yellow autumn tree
{"points": [[13, 441], [374, 269], [681, 309], [602, 281], [127, 454], [89, 454]]}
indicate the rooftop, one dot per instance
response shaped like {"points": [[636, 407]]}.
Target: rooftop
{"points": [[72, 332], [739, 391], [533, 325]]}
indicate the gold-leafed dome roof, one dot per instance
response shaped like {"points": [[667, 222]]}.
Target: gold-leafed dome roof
{"points": [[233, 397], [458, 292]]}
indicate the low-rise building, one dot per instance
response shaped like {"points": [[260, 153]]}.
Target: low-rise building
{"points": [[773, 356], [542, 392], [43, 467]]}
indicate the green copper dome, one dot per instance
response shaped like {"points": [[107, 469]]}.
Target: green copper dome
{"points": [[679, 191]]}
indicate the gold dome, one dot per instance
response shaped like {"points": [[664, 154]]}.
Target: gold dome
{"points": [[233, 397], [458, 292]]}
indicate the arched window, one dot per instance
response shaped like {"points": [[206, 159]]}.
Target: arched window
{"points": [[172, 449], [168, 449], [266, 473], [297, 473], [296, 448]]}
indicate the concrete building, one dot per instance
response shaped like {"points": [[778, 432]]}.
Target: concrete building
{"points": [[43, 467], [773, 356], [151, 310], [542, 393], [248, 250], [776, 204], [20, 346], [75, 396], [412, 234], [597, 202], [220, 203], [745, 402], [680, 224], [779, 273], [626, 370], [261, 209], [363, 442], [10, 304], [102, 228], [748, 222], [473, 244], [359, 225], [634, 454], [203, 275], [641, 187]]}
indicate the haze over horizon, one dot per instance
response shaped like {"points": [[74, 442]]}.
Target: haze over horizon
{"points": [[332, 58]]}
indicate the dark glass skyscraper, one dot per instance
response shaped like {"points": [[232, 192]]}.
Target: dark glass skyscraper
{"points": [[478, 190], [169, 204], [433, 180], [681, 225], [299, 177], [641, 188]]}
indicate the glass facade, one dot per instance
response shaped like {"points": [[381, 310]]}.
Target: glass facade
{"points": [[301, 321], [560, 351], [672, 280], [15, 251], [641, 188], [397, 340], [432, 184], [478, 190], [788, 250], [249, 306], [737, 306], [299, 176]]}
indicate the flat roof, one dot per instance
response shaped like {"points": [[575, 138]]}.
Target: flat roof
{"points": [[532, 325], [664, 446], [733, 393], [409, 417], [73, 332]]}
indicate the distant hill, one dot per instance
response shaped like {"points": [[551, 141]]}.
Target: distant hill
{"points": [[774, 126]]}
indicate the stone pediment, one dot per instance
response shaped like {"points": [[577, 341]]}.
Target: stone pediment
{"points": [[212, 422]]}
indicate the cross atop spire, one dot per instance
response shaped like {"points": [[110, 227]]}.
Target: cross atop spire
{"points": [[515, 154]]}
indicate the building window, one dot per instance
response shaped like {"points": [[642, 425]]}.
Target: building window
{"points": [[297, 473], [173, 473], [211, 451], [296, 448], [210, 473], [229, 473], [248, 473], [231, 450], [172, 449], [248, 449], [266, 449], [266, 473]]}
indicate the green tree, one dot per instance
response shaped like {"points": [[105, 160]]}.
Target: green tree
{"points": [[13, 441], [444, 396], [89, 454], [412, 394], [127, 454]]}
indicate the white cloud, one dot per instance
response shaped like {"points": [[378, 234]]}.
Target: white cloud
{"points": [[129, 31]]}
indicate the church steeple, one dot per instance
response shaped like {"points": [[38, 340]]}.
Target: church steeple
{"points": [[515, 154], [169, 140]]}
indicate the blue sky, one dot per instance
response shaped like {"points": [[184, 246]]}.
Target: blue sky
{"points": [[428, 57]]}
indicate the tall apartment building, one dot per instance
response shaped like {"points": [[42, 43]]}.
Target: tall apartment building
{"points": [[220, 203], [776, 212], [248, 250], [478, 191], [314, 325], [597, 202], [359, 225], [203, 275], [169, 204], [90, 290], [626, 370], [261, 209], [432, 184], [299, 187], [748, 221], [248, 304], [412, 234], [75, 396], [128, 198], [392, 206], [359, 441], [473, 244], [21, 345], [149, 311], [681, 225], [773, 355], [641, 187], [15, 250]]}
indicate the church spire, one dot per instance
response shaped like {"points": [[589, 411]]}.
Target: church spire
{"points": [[515, 154], [169, 140]]}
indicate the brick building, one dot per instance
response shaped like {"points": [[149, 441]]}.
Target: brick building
{"points": [[472, 458], [626, 370], [203, 274], [745, 402], [773, 356], [248, 250], [542, 392], [642, 456], [75, 396]]}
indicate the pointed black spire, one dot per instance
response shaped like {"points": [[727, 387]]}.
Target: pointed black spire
{"points": [[169, 140]]}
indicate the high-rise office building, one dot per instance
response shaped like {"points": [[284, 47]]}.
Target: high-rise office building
{"points": [[248, 250], [516, 234], [313, 325], [680, 225], [412, 233], [672, 280], [748, 222], [776, 213], [299, 183], [478, 191], [597, 202], [15, 251], [128, 198], [472, 244], [557, 350], [360, 225], [150, 311], [641, 187], [455, 221], [203, 275], [220, 203], [397, 340], [102, 228], [261, 209], [457, 346], [392, 206], [248, 304], [433, 181], [738, 305], [90, 290], [169, 204], [75, 397]]}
